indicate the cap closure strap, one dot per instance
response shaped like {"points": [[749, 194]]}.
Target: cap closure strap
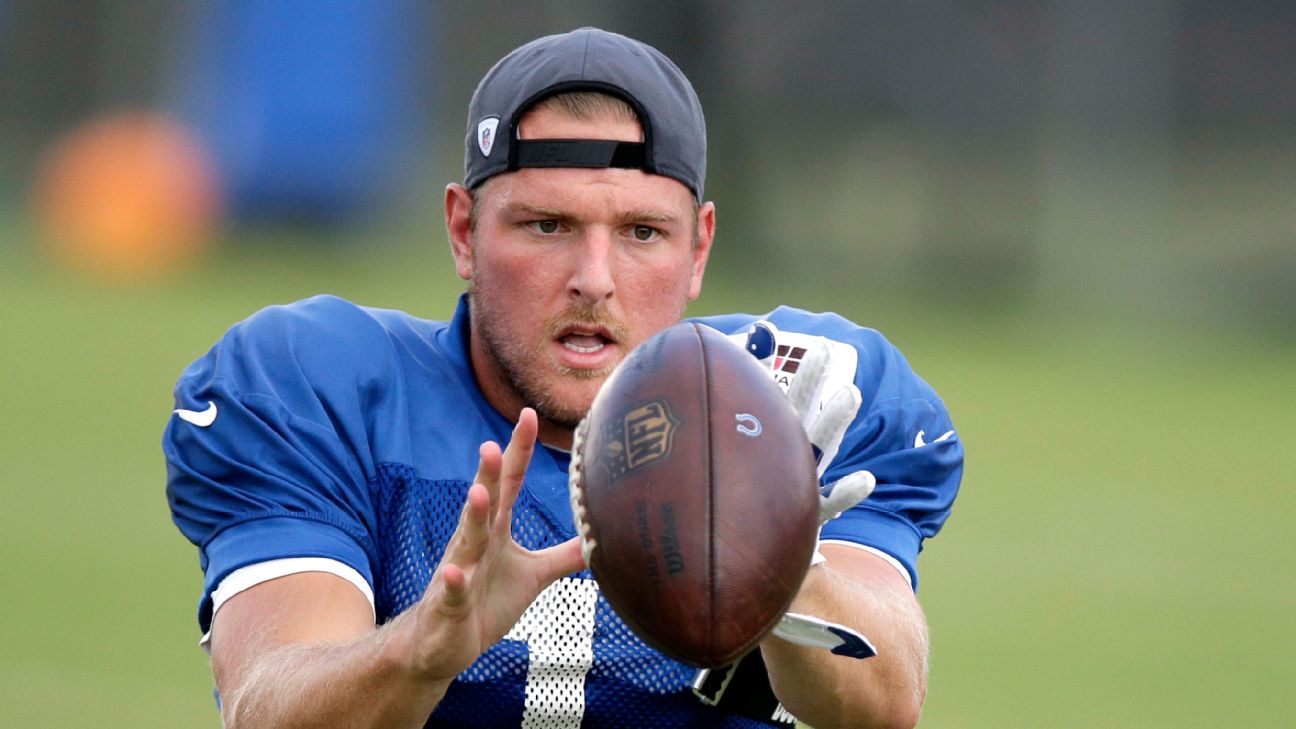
{"points": [[579, 153]]}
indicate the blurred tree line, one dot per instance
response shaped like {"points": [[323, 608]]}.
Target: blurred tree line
{"points": [[1109, 157]]}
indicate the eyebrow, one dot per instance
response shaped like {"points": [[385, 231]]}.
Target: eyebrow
{"points": [[537, 210], [626, 218], [648, 216]]}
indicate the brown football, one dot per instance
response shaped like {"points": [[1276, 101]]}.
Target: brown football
{"points": [[694, 489]]}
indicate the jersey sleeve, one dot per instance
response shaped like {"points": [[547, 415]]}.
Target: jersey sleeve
{"points": [[903, 434], [279, 466]]}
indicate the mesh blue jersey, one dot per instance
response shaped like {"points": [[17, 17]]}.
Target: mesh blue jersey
{"points": [[351, 433]]}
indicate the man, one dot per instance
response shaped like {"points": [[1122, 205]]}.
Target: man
{"points": [[373, 558]]}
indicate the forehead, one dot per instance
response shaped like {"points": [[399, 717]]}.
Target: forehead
{"points": [[610, 195]]}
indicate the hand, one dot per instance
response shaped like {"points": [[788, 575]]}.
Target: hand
{"points": [[824, 415], [486, 580]]}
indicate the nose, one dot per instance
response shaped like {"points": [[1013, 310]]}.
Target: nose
{"points": [[592, 279]]}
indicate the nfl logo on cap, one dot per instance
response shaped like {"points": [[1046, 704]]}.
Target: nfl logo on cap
{"points": [[486, 134]]}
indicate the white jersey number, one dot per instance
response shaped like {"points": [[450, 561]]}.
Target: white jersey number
{"points": [[558, 629]]}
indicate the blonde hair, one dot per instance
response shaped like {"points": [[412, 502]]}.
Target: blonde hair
{"points": [[588, 105]]}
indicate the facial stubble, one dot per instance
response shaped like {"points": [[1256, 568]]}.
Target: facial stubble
{"points": [[511, 357], [531, 375]]}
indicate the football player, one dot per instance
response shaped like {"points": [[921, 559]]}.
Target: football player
{"points": [[380, 502]]}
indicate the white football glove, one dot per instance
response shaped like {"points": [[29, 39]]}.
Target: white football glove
{"points": [[825, 415]]}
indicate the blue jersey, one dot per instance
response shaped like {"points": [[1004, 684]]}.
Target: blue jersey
{"points": [[351, 433]]}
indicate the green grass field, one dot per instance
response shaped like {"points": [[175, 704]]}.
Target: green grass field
{"points": [[1120, 555]]}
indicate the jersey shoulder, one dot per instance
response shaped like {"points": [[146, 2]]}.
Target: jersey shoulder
{"points": [[325, 340], [902, 432]]}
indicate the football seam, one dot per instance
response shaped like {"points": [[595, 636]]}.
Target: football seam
{"points": [[710, 490], [576, 493]]}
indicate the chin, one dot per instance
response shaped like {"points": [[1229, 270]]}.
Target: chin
{"points": [[564, 417], [566, 410]]}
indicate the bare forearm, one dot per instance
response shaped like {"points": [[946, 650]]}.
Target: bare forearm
{"points": [[365, 682], [829, 691], [301, 650]]}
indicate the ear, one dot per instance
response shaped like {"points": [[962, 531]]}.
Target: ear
{"points": [[458, 214], [702, 249]]}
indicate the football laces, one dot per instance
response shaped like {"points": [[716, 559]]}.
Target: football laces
{"points": [[576, 492]]}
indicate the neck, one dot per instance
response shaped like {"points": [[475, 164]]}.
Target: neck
{"points": [[553, 435]]}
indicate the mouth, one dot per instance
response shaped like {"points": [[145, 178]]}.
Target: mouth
{"points": [[585, 340]]}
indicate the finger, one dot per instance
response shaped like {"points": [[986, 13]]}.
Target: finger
{"points": [[454, 586], [845, 493], [834, 417], [559, 560], [517, 457], [809, 375], [469, 540], [489, 460]]}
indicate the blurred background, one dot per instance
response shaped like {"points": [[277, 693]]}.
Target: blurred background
{"points": [[1078, 220]]}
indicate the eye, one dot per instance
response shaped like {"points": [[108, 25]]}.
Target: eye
{"points": [[644, 233], [545, 227]]}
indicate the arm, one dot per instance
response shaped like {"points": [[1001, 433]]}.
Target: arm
{"points": [[860, 590], [916, 484], [307, 642], [302, 650]]}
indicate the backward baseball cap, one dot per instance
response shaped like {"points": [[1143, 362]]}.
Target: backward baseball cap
{"points": [[587, 59]]}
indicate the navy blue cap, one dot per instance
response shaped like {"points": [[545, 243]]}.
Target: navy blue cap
{"points": [[587, 59]]}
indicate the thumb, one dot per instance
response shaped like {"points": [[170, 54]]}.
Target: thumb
{"points": [[559, 560], [844, 494]]}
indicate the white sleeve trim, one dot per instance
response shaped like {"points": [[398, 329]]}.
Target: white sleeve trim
{"points": [[871, 550], [254, 574]]}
